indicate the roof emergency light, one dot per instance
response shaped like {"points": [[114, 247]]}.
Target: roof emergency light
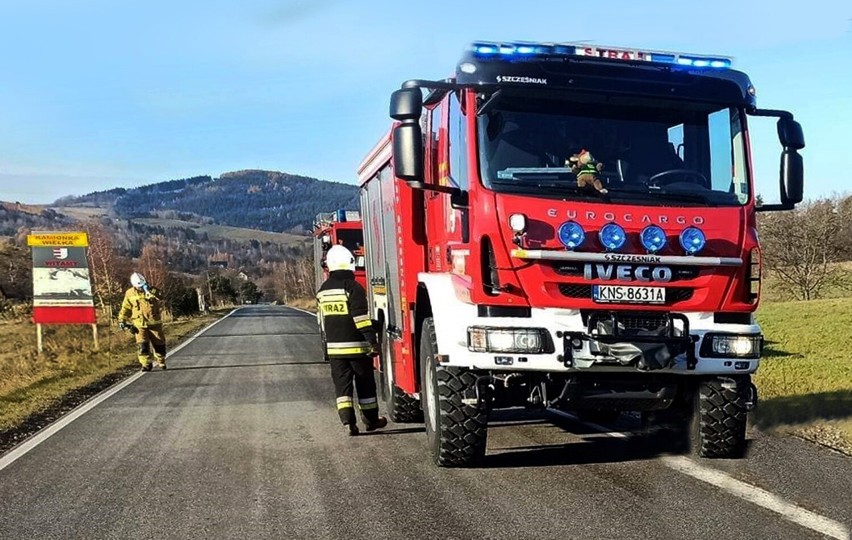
{"points": [[525, 50]]}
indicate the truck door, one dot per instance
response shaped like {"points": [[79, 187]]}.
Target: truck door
{"points": [[447, 226]]}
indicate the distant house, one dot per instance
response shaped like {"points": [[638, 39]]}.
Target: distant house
{"points": [[243, 276], [217, 264]]}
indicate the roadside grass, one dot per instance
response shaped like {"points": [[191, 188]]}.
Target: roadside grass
{"points": [[308, 304], [805, 377], [31, 383]]}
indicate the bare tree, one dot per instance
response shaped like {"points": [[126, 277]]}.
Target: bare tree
{"points": [[803, 246], [109, 270]]}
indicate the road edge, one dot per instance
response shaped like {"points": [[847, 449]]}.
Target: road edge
{"points": [[20, 450]]}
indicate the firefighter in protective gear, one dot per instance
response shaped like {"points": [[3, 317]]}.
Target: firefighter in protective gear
{"points": [[350, 341], [140, 313]]}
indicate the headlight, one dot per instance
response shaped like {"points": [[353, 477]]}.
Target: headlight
{"points": [[571, 234], [692, 240], [612, 236], [506, 340], [731, 346], [518, 223], [653, 238]]}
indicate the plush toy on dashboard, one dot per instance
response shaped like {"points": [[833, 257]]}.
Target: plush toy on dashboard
{"points": [[584, 166]]}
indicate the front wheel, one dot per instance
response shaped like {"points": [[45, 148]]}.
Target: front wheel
{"points": [[719, 431], [456, 425]]}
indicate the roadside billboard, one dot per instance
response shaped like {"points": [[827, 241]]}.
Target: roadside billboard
{"points": [[62, 287]]}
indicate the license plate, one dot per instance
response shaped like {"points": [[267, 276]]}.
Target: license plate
{"points": [[623, 294]]}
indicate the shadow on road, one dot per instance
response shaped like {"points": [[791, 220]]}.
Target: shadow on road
{"points": [[229, 366], [592, 449], [804, 408]]}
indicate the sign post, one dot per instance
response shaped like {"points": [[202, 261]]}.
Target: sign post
{"points": [[62, 287]]}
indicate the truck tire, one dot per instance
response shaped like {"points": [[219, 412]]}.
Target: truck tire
{"points": [[721, 411], [401, 408], [457, 431]]}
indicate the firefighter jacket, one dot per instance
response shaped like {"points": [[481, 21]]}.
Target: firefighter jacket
{"points": [[141, 308], [342, 307]]}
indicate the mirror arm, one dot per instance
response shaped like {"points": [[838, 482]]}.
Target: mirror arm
{"points": [[771, 113]]}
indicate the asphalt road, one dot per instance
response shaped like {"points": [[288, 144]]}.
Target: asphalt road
{"points": [[240, 439]]}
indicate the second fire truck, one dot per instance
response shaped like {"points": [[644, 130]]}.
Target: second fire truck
{"points": [[571, 227]]}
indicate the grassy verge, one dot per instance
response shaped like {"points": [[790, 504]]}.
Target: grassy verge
{"points": [[805, 379], [31, 383], [308, 304]]}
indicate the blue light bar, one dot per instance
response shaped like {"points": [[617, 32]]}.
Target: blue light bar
{"points": [[526, 50]]}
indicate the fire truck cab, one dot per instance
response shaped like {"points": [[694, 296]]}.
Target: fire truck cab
{"points": [[571, 227]]}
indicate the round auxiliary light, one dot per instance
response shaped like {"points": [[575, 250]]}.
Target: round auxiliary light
{"points": [[692, 240], [653, 238], [612, 236], [571, 234], [518, 223]]}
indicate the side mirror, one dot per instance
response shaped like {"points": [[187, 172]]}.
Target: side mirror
{"points": [[792, 177], [408, 152], [406, 104], [790, 134], [792, 171]]}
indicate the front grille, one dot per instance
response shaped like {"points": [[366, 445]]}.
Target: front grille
{"points": [[643, 321], [574, 290]]}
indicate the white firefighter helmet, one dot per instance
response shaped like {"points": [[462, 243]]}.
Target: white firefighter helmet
{"points": [[339, 258], [137, 280]]}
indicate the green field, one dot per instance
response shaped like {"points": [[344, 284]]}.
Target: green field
{"points": [[805, 378], [224, 232], [215, 232]]}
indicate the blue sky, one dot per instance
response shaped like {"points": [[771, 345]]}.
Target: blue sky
{"points": [[96, 93]]}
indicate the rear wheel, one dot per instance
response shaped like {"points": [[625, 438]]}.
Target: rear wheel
{"points": [[456, 426]]}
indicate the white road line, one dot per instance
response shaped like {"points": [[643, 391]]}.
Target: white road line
{"points": [[51, 430], [738, 488]]}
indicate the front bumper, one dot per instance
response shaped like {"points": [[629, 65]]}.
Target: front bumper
{"points": [[575, 348]]}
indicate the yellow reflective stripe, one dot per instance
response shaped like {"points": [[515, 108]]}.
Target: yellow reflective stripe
{"points": [[344, 402], [359, 318], [363, 324], [347, 344], [332, 292], [368, 403], [344, 406], [333, 298], [353, 350]]}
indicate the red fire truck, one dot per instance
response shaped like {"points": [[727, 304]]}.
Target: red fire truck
{"points": [[499, 281], [340, 227]]}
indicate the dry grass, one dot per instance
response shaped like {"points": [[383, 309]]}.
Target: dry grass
{"points": [[308, 304], [32, 382]]}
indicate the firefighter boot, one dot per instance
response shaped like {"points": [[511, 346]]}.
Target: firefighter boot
{"points": [[161, 363], [146, 367], [351, 429], [379, 423]]}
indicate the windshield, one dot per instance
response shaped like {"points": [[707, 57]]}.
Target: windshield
{"points": [[683, 152], [353, 240]]}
